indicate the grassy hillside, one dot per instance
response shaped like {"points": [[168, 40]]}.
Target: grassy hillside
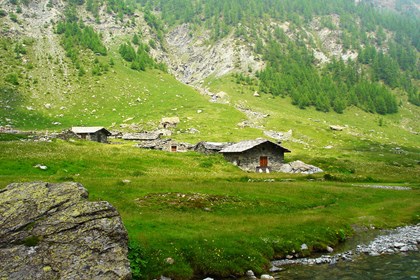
{"points": [[121, 96]]}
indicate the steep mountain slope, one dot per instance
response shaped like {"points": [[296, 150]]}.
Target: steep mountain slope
{"points": [[47, 84]]}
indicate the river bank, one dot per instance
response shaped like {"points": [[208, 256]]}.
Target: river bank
{"points": [[402, 239], [394, 252]]}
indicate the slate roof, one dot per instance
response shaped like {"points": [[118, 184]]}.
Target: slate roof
{"points": [[144, 136], [248, 144], [89, 129], [213, 145]]}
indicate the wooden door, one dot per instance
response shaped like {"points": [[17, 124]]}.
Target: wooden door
{"points": [[173, 148], [263, 161]]}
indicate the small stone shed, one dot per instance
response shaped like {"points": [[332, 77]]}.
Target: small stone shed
{"points": [[92, 133], [142, 136], [209, 148], [258, 155], [169, 122], [175, 147]]}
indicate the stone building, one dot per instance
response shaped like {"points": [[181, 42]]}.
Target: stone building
{"points": [[259, 155], [209, 148], [92, 133], [142, 136], [175, 147]]}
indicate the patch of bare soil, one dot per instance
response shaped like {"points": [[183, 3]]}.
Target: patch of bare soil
{"points": [[186, 200]]}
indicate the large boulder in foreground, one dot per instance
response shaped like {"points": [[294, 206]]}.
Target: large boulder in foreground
{"points": [[51, 231]]}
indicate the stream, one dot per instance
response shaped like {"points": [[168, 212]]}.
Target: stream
{"points": [[389, 267], [368, 258], [369, 254]]}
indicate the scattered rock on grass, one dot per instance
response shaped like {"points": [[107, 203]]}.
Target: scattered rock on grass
{"points": [[337, 127], [40, 166]]}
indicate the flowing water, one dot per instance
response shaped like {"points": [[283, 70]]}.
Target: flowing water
{"points": [[389, 267], [363, 267]]}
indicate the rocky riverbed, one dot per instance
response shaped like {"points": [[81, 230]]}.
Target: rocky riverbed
{"points": [[399, 240], [402, 239]]}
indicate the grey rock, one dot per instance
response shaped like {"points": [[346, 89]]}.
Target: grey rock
{"points": [[404, 249], [169, 260], [399, 244], [53, 232], [250, 275], [266, 277], [40, 166], [402, 239], [304, 247], [275, 269], [299, 167], [336, 127], [193, 130], [329, 249], [286, 168]]}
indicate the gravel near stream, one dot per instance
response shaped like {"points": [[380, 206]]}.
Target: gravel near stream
{"points": [[399, 240]]}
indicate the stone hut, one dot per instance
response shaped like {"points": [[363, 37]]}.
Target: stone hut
{"points": [[142, 136], [169, 122], [209, 148], [175, 147], [92, 133], [259, 155]]}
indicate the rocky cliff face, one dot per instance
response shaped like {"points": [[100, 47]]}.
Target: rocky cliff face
{"points": [[192, 58], [51, 231]]}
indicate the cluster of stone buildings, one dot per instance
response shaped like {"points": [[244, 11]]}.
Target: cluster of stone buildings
{"points": [[258, 155]]}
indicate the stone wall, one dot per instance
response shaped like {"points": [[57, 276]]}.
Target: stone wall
{"points": [[98, 137], [249, 160]]}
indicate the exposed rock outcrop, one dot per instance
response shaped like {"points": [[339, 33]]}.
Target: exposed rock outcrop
{"points": [[51, 231], [192, 59], [279, 136]]}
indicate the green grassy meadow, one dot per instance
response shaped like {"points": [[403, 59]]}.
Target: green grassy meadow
{"points": [[209, 217]]}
